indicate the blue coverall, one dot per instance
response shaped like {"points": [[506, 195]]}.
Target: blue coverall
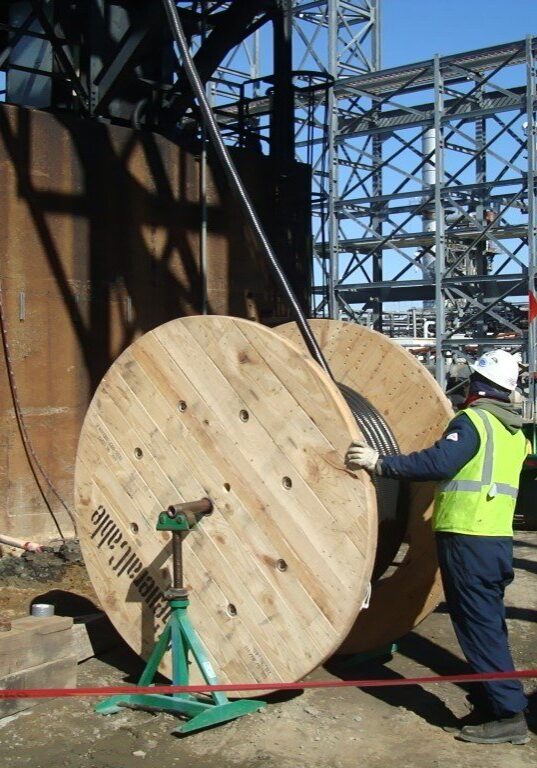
{"points": [[475, 571]]}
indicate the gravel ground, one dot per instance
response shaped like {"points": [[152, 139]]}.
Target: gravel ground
{"points": [[328, 728]]}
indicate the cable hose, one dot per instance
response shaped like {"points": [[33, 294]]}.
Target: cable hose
{"points": [[376, 431], [391, 494], [31, 456], [374, 428], [236, 183]]}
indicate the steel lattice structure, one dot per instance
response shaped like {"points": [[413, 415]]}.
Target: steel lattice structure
{"points": [[440, 182]]}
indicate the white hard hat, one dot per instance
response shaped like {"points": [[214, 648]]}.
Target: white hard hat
{"points": [[499, 367]]}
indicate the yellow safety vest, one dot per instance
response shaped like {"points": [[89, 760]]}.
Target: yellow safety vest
{"points": [[480, 500]]}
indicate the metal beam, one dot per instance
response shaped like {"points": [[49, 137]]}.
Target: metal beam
{"points": [[139, 38], [419, 290]]}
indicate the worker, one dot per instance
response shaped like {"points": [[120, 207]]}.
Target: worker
{"points": [[477, 461]]}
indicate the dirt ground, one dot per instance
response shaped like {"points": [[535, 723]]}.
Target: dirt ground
{"points": [[328, 728]]}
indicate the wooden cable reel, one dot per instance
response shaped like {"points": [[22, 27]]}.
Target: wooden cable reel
{"points": [[226, 408], [414, 406]]}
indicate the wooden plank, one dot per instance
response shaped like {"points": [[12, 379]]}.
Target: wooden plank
{"points": [[220, 407], [61, 673], [33, 641], [42, 625], [417, 411]]}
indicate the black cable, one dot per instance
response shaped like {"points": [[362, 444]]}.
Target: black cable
{"points": [[392, 502], [376, 432], [236, 183], [31, 456]]}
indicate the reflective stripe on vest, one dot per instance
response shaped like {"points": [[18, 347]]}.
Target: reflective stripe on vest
{"points": [[496, 489]]}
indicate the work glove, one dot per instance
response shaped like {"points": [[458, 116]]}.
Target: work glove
{"points": [[360, 455]]}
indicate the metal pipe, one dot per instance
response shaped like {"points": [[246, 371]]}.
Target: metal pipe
{"points": [[204, 209], [200, 507], [177, 560], [532, 217], [428, 175], [236, 182], [428, 142], [332, 159], [439, 245], [376, 40], [29, 546], [282, 124], [203, 225]]}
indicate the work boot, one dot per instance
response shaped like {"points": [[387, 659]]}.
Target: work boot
{"points": [[509, 729]]}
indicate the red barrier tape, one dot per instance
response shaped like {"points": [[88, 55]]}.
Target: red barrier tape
{"points": [[125, 690]]}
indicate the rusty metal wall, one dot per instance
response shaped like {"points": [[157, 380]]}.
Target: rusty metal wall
{"points": [[99, 242]]}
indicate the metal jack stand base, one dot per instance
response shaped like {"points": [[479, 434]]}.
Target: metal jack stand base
{"points": [[180, 637]]}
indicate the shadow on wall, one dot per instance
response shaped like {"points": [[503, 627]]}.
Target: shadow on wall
{"points": [[112, 216]]}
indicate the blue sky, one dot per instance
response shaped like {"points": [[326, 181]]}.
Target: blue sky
{"points": [[417, 29]]}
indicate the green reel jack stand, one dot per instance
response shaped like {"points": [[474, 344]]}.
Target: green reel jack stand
{"points": [[181, 638]]}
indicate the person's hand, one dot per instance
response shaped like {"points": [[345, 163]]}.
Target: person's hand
{"points": [[360, 455]]}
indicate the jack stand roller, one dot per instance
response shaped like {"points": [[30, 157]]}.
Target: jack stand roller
{"points": [[181, 638]]}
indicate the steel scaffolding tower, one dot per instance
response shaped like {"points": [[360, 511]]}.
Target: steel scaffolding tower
{"points": [[449, 194], [338, 40]]}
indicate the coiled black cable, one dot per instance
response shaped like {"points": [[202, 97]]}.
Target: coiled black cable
{"points": [[391, 494], [374, 428]]}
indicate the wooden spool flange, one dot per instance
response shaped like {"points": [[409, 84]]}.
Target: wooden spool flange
{"points": [[417, 411], [227, 409]]}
